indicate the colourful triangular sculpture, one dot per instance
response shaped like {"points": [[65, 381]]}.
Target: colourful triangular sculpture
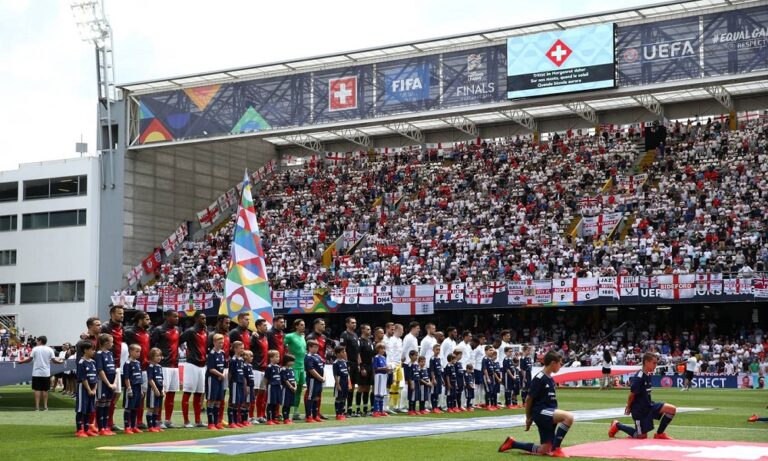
{"points": [[247, 285], [251, 120]]}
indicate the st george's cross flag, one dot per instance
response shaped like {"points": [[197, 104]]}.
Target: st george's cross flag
{"points": [[247, 287]]}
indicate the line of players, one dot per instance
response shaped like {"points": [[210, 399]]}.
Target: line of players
{"points": [[151, 369]]}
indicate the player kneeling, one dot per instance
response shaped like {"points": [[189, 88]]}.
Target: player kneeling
{"points": [[541, 408], [642, 408]]}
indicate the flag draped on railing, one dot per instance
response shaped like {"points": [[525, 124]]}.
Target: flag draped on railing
{"points": [[247, 286]]}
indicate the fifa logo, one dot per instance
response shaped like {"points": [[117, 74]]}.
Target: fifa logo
{"points": [[407, 84]]}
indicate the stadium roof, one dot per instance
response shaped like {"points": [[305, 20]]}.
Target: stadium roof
{"points": [[437, 45]]}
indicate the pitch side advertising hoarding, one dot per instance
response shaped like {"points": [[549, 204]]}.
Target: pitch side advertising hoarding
{"points": [[562, 61]]}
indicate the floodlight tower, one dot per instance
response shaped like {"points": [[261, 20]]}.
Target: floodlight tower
{"points": [[95, 29]]}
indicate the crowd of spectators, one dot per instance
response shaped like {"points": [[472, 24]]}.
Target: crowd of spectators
{"points": [[500, 211]]}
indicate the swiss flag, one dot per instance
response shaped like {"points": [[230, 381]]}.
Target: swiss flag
{"points": [[342, 93]]}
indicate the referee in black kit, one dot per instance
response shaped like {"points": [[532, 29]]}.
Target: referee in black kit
{"points": [[351, 344]]}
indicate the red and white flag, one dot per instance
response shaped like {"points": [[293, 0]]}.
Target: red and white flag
{"points": [[277, 299], [446, 292], [677, 286], [709, 284], [478, 294], [351, 295], [123, 300], [342, 93], [574, 290], [306, 299], [375, 295], [498, 286], [632, 182], [413, 299], [208, 216], [336, 158], [202, 301], [590, 205], [737, 286], [152, 262], [175, 302], [134, 276], [760, 286], [529, 292], [600, 224], [147, 303]]}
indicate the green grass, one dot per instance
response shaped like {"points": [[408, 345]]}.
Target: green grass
{"points": [[25, 434]]}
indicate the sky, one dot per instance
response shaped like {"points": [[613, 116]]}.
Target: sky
{"points": [[48, 75]]}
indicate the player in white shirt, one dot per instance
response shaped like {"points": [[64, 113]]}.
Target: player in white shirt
{"points": [[506, 337], [465, 348], [478, 353], [410, 343], [394, 348], [428, 342], [448, 345]]}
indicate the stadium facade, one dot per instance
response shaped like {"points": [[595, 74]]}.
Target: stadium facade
{"points": [[183, 141]]}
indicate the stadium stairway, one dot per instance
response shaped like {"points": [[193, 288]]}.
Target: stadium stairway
{"points": [[645, 161], [626, 227]]}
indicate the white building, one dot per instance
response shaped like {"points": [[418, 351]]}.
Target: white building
{"points": [[49, 234]]}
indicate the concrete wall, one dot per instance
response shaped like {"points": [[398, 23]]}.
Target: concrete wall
{"points": [[168, 185]]}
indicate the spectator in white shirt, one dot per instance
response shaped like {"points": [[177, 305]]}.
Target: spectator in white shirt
{"points": [[41, 357]]}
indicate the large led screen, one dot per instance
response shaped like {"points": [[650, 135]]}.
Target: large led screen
{"points": [[562, 61]]}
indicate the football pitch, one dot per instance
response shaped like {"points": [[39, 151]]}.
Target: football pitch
{"points": [[25, 434]]}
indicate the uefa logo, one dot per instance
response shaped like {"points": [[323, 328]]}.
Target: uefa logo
{"points": [[630, 55], [666, 381]]}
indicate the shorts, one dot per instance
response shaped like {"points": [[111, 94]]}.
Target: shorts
{"points": [[354, 373], [274, 394], [380, 387], [478, 375], [288, 397], [314, 388], [689, 375], [84, 403], [437, 389], [170, 379], [154, 401], [489, 385], [341, 394], [366, 380], [258, 380], [41, 383], [413, 393], [644, 422], [134, 401], [606, 371], [545, 423], [214, 389], [425, 392], [194, 378], [236, 394], [103, 392]]}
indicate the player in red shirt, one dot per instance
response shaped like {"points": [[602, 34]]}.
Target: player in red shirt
{"points": [[115, 328], [166, 338], [276, 336], [196, 339], [139, 334], [318, 334], [260, 348], [241, 332]]}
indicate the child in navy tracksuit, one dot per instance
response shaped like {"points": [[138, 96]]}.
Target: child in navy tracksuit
{"points": [[274, 386], [341, 381], [411, 379], [155, 392], [460, 379], [250, 392], [424, 383], [86, 389], [288, 380], [450, 383], [132, 381], [469, 387], [437, 378]]}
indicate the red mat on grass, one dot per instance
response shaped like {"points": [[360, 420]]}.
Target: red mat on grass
{"points": [[671, 450]]}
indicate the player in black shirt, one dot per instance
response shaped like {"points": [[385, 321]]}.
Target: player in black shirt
{"points": [[366, 350], [196, 339], [541, 407], [351, 344], [642, 408]]}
